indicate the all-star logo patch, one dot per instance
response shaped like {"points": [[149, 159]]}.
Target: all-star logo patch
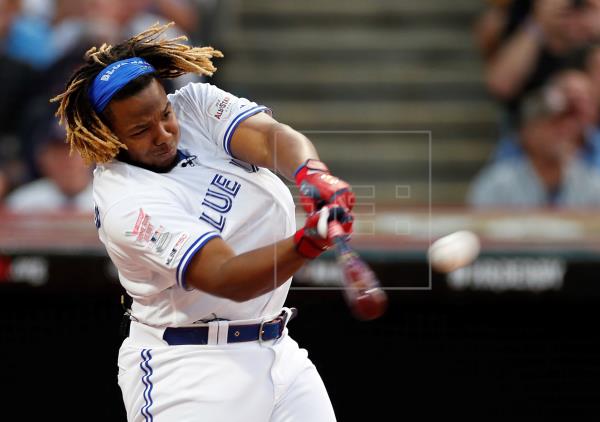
{"points": [[221, 108]]}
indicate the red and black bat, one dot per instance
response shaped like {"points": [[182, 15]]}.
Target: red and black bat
{"points": [[362, 289]]}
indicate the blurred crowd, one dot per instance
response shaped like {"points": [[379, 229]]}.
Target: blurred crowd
{"points": [[542, 66], [41, 43]]}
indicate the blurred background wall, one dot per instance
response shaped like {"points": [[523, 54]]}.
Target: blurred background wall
{"points": [[389, 71]]}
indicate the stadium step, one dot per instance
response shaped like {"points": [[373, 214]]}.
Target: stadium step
{"points": [[380, 86], [349, 40], [398, 147], [290, 73], [380, 115], [348, 8]]}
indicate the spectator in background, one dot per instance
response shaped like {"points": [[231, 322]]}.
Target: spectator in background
{"points": [[18, 80], [490, 25], [587, 60], [113, 20], [41, 8], [41, 35], [183, 12], [552, 172], [592, 68], [47, 37], [562, 89], [530, 41], [66, 182], [124, 18], [26, 37]]}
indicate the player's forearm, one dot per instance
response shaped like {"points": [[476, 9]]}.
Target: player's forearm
{"points": [[263, 141], [254, 273], [290, 149]]}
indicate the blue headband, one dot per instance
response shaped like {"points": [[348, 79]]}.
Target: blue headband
{"points": [[114, 77]]}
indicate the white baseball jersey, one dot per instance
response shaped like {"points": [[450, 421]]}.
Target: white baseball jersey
{"points": [[153, 224]]}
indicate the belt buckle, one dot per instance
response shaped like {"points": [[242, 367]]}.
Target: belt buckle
{"points": [[282, 319], [278, 320], [261, 331]]}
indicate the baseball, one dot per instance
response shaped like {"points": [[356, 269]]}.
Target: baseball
{"points": [[454, 251]]}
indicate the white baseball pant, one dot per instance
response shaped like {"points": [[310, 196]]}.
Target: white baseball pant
{"points": [[269, 381]]}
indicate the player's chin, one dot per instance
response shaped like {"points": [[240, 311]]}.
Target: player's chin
{"points": [[164, 159]]}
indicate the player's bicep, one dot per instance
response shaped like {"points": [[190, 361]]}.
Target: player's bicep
{"points": [[252, 141], [204, 270]]}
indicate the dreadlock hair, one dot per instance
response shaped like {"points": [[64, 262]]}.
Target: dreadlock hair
{"points": [[87, 131]]}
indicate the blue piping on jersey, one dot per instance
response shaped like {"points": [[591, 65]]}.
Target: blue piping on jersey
{"points": [[187, 256], [234, 124], [145, 365]]}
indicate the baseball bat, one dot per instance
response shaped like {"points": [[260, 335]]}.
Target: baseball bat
{"points": [[362, 289]]}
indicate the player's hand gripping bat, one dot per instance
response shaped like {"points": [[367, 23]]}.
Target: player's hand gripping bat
{"points": [[362, 289]]}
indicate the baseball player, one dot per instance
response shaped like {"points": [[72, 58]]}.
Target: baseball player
{"points": [[202, 234]]}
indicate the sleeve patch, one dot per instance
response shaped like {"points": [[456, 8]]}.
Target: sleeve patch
{"points": [[141, 225], [177, 248], [144, 231], [148, 235], [221, 108]]}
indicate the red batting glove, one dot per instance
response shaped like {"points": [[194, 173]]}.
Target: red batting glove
{"points": [[320, 228], [319, 188]]}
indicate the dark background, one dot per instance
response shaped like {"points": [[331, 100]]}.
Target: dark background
{"points": [[436, 353]]}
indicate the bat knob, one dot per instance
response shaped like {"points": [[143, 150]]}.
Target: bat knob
{"points": [[370, 304]]}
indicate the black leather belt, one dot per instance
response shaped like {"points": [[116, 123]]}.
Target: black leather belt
{"points": [[268, 330]]}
